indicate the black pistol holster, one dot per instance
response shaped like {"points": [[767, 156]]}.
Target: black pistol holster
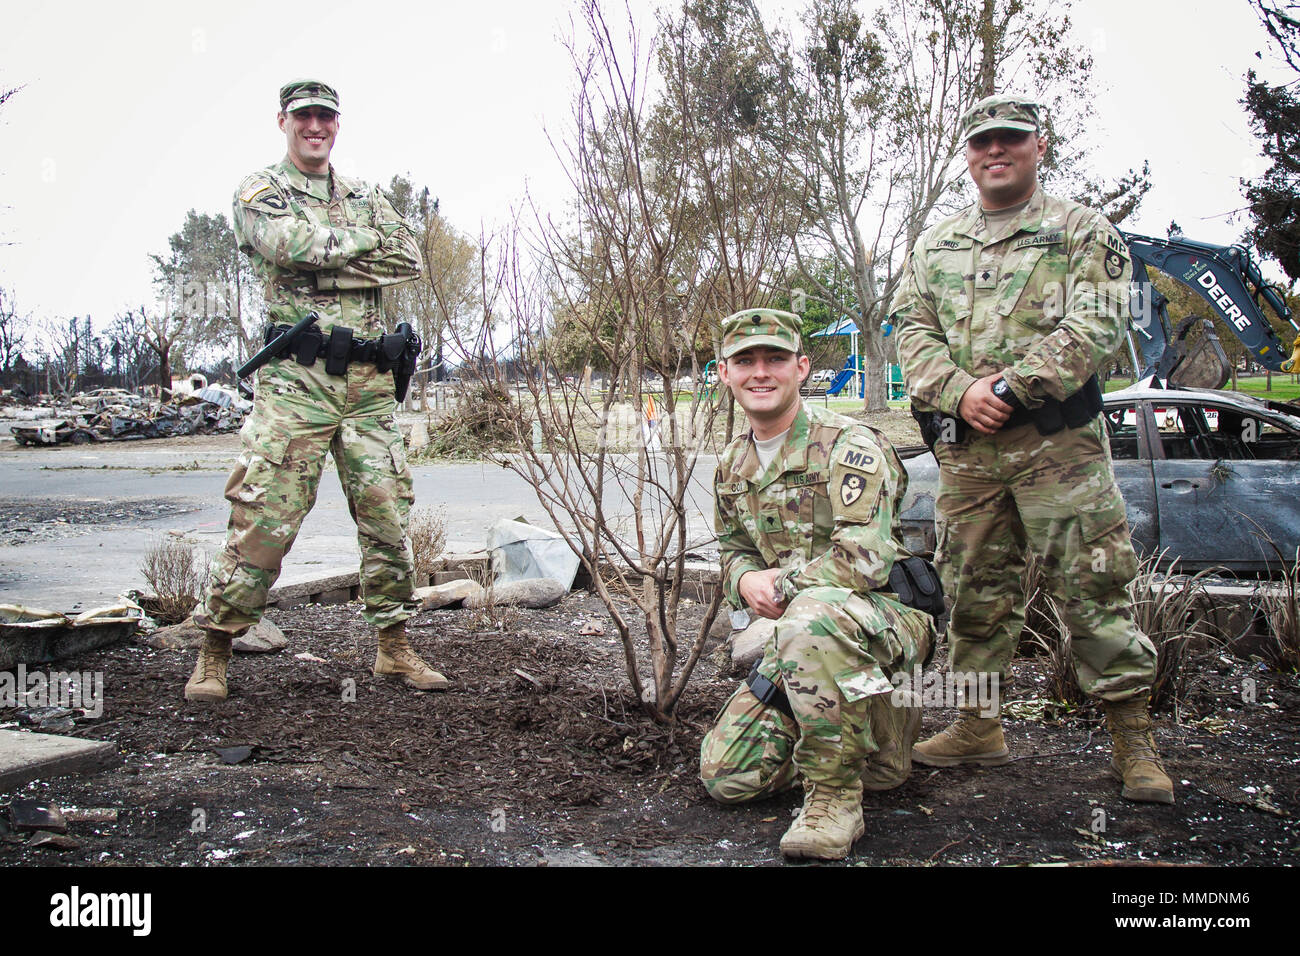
{"points": [[937, 427], [768, 693], [400, 353]]}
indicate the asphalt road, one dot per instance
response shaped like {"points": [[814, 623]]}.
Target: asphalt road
{"points": [[76, 521]]}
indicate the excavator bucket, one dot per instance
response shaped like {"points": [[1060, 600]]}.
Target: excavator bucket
{"points": [[1292, 364], [1202, 363]]}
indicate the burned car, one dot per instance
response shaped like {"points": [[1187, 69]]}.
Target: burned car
{"points": [[1210, 476]]}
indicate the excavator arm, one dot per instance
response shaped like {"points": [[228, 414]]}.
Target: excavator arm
{"points": [[1227, 278]]}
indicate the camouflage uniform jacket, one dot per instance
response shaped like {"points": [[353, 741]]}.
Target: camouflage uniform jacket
{"points": [[1043, 296], [322, 252], [826, 509]]}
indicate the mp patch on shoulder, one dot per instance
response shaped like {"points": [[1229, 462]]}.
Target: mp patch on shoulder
{"points": [[1116, 254], [856, 477]]}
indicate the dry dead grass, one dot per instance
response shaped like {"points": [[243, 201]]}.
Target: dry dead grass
{"points": [[427, 529], [177, 572], [1282, 613]]}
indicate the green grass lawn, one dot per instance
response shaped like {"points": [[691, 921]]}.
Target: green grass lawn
{"points": [[1285, 388]]}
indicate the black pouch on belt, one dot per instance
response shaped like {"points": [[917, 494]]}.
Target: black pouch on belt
{"points": [[340, 347], [307, 347], [916, 582], [1084, 405]]}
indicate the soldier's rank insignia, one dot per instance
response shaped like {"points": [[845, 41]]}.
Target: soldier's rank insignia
{"points": [[851, 488], [1114, 265]]}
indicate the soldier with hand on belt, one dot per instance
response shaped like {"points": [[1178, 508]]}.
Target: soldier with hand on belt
{"points": [[1005, 314], [323, 243], [807, 518]]}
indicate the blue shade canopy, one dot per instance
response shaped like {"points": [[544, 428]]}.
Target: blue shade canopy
{"points": [[844, 326]]}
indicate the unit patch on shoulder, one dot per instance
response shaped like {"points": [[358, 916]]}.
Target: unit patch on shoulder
{"points": [[1114, 265], [851, 487], [1115, 243], [856, 479], [272, 200]]}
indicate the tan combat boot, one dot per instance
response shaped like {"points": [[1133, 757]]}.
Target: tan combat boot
{"points": [[208, 682], [828, 823], [1134, 760], [395, 658], [971, 739], [895, 725]]}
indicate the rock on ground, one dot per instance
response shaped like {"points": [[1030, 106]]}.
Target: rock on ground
{"points": [[533, 593], [447, 595], [721, 627], [265, 637], [747, 645]]}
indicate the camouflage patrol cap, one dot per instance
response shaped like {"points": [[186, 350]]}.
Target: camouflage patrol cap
{"points": [[753, 327], [299, 94], [1001, 112]]}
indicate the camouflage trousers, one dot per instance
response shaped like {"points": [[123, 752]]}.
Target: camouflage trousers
{"points": [[834, 653], [299, 414], [1001, 495]]}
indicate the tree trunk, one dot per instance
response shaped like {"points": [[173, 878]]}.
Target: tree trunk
{"points": [[165, 366], [875, 361], [988, 51]]}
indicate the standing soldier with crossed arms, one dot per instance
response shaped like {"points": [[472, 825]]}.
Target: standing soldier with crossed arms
{"points": [[325, 244]]}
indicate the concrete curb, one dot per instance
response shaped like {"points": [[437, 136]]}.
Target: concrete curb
{"points": [[26, 756]]}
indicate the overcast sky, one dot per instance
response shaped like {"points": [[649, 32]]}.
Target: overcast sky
{"points": [[132, 113]]}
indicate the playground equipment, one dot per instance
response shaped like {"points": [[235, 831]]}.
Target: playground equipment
{"points": [[852, 366]]}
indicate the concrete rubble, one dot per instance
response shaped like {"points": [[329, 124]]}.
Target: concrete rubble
{"points": [[31, 635], [531, 593]]}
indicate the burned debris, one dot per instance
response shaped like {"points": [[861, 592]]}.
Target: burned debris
{"points": [[114, 414]]}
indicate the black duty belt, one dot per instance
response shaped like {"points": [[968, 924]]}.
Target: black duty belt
{"points": [[340, 349], [1049, 418]]}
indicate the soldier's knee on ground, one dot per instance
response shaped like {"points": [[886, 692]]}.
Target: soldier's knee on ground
{"points": [[736, 787], [747, 754]]}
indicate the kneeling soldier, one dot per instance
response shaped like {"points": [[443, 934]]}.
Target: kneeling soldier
{"points": [[807, 520]]}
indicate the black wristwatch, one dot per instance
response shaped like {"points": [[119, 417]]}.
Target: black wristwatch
{"points": [[1002, 391]]}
